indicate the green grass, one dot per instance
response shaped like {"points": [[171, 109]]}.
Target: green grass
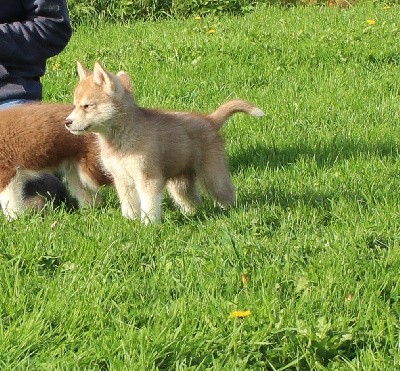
{"points": [[316, 229]]}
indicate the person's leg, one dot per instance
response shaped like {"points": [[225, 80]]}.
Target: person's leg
{"points": [[12, 102]]}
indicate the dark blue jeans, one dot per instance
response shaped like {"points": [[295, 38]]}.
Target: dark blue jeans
{"points": [[12, 102]]}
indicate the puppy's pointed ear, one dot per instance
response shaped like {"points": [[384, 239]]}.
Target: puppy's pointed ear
{"points": [[103, 78], [126, 81], [83, 72]]}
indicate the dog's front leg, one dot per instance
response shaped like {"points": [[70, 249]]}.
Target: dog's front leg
{"points": [[79, 190], [128, 198], [150, 208], [150, 195]]}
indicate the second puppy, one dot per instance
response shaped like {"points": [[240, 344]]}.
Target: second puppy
{"points": [[33, 141]]}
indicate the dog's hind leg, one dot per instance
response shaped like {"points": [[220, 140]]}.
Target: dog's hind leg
{"points": [[12, 196], [216, 179], [184, 192]]}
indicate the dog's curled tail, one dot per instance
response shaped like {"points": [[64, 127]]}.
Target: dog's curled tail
{"points": [[221, 114]]}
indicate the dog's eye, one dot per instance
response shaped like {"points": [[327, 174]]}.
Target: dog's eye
{"points": [[88, 106]]}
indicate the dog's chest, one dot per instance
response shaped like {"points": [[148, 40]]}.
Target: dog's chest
{"points": [[123, 163], [122, 166]]}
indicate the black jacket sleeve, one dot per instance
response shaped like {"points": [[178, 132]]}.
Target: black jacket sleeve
{"points": [[44, 33]]}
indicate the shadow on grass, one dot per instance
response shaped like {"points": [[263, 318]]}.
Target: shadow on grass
{"points": [[257, 199], [324, 154], [260, 156], [287, 200]]}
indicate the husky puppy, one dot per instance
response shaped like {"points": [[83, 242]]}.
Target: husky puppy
{"points": [[146, 149]]}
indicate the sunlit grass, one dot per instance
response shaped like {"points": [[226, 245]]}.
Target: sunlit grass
{"points": [[307, 263]]}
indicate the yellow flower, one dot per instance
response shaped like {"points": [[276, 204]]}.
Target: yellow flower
{"points": [[240, 314], [197, 18], [371, 22], [56, 66], [386, 7], [211, 31]]}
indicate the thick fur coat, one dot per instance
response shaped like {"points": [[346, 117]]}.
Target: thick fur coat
{"points": [[33, 140], [146, 149]]}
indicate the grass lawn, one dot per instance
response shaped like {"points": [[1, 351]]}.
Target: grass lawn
{"points": [[312, 248]]}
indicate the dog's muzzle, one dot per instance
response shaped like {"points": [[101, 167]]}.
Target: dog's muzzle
{"points": [[68, 123]]}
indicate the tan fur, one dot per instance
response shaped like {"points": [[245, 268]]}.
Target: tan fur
{"points": [[33, 140], [146, 149]]}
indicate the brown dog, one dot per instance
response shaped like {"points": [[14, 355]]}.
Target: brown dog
{"points": [[146, 149], [33, 140]]}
